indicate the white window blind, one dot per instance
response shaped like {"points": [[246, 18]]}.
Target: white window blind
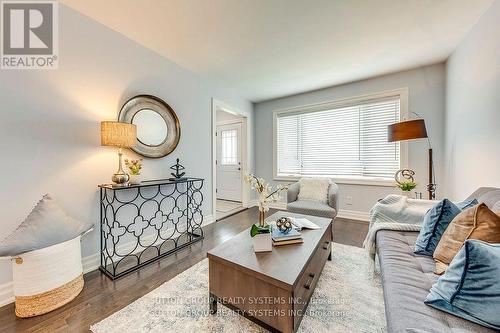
{"points": [[347, 141]]}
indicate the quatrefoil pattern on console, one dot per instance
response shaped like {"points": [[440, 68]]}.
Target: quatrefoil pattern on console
{"points": [[138, 226], [158, 220], [117, 230], [135, 221], [175, 215]]}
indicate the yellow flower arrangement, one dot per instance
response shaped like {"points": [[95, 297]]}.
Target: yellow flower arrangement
{"points": [[134, 166]]}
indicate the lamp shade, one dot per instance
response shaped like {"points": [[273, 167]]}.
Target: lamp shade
{"points": [[118, 134], [407, 130]]}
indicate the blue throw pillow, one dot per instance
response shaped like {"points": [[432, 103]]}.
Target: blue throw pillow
{"points": [[435, 223], [470, 288], [467, 204]]}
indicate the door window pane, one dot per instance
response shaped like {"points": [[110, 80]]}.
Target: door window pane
{"points": [[229, 148]]}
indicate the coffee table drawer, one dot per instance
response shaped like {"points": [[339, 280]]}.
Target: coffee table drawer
{"points": [[307, 282]]}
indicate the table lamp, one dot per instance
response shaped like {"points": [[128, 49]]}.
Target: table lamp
{"points": [[121, 135], [410, 130]]}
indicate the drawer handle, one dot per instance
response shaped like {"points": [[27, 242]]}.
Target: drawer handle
{"points": [[307, 285], [325, 247]]}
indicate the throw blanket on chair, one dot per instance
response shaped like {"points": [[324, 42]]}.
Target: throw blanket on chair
{"points": [[395, 212]]}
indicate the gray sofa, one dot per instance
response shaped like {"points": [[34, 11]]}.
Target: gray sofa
{"points": [[407, 278], [310, 207]]}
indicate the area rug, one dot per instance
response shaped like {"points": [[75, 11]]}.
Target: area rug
{"points": [[347, 298]]}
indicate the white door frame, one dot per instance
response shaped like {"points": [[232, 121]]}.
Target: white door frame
{"points": [[219, 105]]}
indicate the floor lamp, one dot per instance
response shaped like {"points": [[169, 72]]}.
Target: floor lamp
{"points": [[410, 130]]}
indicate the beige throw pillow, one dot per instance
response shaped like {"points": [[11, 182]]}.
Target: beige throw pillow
{"points": [[314, 189], [477, 222]]}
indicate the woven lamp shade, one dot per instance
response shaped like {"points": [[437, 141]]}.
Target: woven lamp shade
{"points": [[407, 130], [118, 134]]}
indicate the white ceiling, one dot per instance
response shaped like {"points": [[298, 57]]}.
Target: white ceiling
{"points": [[272, 48]]}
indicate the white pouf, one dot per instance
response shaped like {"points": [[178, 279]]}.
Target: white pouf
{"points": [[48, 278]]}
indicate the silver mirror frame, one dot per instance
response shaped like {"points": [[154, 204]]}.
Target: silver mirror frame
{"points": [[141, 102]]}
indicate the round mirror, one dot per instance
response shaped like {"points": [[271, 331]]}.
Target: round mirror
{"points": [[151, 128], [158, 128]]}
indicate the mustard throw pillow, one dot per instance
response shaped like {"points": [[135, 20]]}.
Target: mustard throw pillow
{"points": [[477, 222]]}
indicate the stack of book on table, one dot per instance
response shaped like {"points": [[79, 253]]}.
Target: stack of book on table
{"points": [[291, 237]]}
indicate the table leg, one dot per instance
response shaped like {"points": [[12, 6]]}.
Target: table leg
{"points": [[330, 256], [212, 299]]}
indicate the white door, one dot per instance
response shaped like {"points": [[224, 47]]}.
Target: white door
{"points": [[229, 162]]}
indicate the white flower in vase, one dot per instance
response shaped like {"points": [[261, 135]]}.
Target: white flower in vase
{"points": [[266, 194]]}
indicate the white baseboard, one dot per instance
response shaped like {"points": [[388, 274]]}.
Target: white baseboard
{"points": [[89, 263], [275, 205], [354, 215], [6, 293], [343, 213]]}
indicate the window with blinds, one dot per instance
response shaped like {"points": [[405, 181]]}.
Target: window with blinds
{"points": [[348, 141]]}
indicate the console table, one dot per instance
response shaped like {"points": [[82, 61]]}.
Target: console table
{"points": [[142, 223]]}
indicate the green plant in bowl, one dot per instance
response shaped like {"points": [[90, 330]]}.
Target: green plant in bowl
{"points": [[407, 186]]}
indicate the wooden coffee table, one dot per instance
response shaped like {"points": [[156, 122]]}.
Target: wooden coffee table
{"points": [[270, 288]]}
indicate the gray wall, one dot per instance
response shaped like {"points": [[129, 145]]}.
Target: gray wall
{"points": [[473, 108], [426, 97], [49, 122]]}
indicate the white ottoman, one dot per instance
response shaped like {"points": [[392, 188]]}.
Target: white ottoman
{"points": [[48, 278]]}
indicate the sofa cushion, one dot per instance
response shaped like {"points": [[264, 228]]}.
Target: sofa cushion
{"points": [[407, 278], [489, 195], [435, 223], [477, 222], [467, 203], [436, 220], [470, 287], [311, 207]]}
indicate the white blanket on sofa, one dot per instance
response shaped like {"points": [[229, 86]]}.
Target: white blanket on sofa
{"points": [[395, 212]]}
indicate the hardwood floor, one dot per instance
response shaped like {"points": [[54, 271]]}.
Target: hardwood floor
{"points": [[101, 297]]}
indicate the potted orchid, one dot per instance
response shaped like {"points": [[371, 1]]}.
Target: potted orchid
{"points": [[134, 167], [261, 233]]}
